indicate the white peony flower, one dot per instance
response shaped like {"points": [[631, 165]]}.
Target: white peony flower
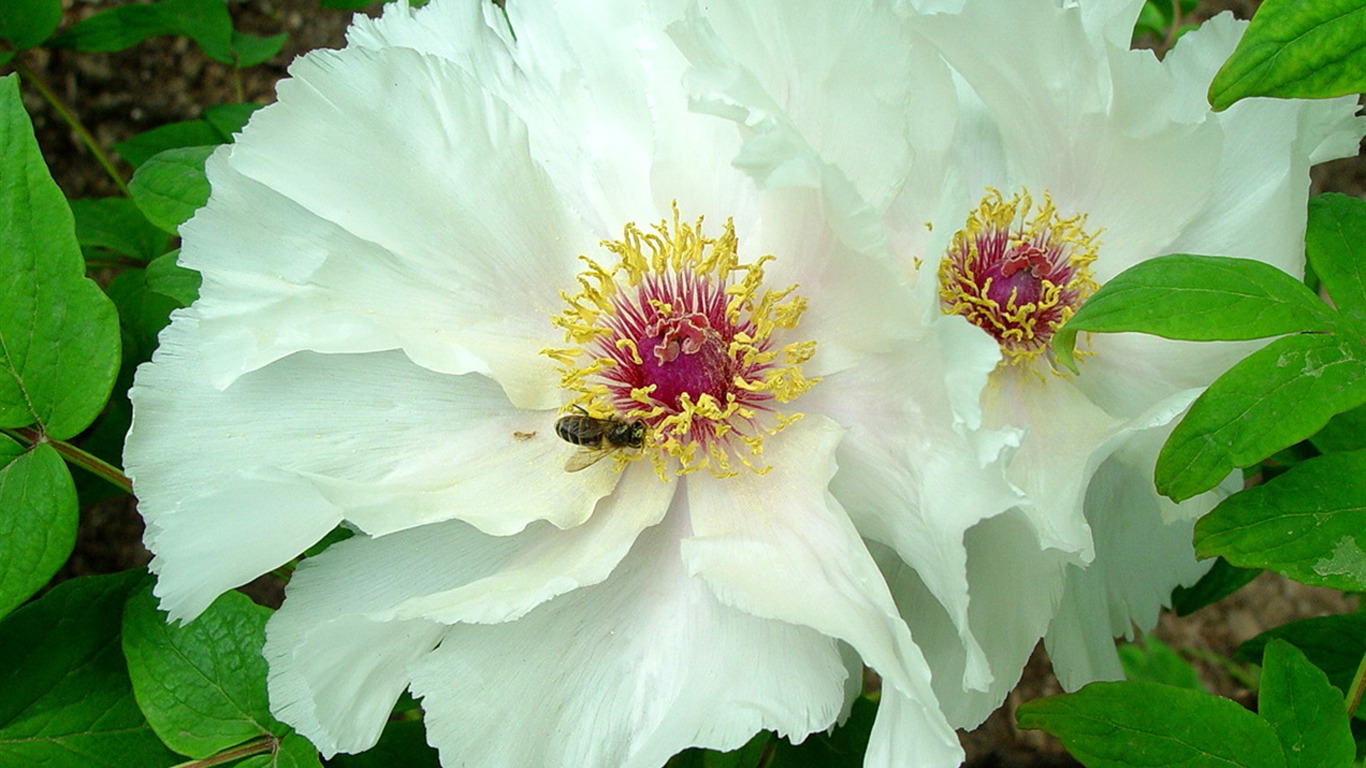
{"points": [[1074, 159], [484, 290]]}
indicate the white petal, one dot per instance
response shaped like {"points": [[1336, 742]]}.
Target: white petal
{"points": [[1140, 558], [222, 536], [871, 79], [1131, 372], [833, 278], [359, 615], [1065, 441], [336, 683], [1015, 586], [899, 738], [1258, 210], [1112, 19], [285, 452], [909, 477], [547, 562], [1100, 130], [625, 673], [776, 152], [424, 226], [777, 546]]}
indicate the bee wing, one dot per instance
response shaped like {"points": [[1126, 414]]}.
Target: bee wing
{"points": [[583, 459]]}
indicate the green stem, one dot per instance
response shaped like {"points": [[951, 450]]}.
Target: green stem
{"points": [[1354, 692], [76, 125], [73, 455], [261, 746], [1239, 673]]}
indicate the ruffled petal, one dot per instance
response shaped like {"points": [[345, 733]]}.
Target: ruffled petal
{"points": [[336, 683], [872, 77], [910, 475], [626, 673], [396, 593], [1143, 552], [1015, 586], [287, 451], [1074, 117], [209, 541], [404, 227], [777, 546], [544, 562], [797, 136], [834, 277], [1257, 210], [1130, 373]]}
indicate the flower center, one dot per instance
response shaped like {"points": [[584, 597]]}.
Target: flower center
{"points": [[1018, 271], [682, 338]]}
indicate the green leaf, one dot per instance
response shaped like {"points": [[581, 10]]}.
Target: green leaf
{"points": [[188, 133], [1344, 432], [1199, 298], [1335, 243], [229, 119], [1296, 49], [1106, 725], [1272, 399], [58, 332], [1155, 662], [404, 742], [142, 311], [1222, 580], [216, 126], [250, 50], [202, 685], [205, 21], [338, 534], [27, 23], [1307, 713], [1334, 644], [116, 224], [67, 701], [38, 518], [294, 752], [1308, 524], [168, 278], [171, 186]]}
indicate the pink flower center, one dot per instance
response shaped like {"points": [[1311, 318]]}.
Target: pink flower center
{"points": [[684, 338], [1018, 272]]}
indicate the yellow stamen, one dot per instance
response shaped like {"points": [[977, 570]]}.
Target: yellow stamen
{"points": [[701, 432]]}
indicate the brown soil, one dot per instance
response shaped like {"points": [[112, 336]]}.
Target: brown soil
{"points": [[166, 80]]}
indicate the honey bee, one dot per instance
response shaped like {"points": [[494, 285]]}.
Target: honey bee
{"points": [[597, 437]]}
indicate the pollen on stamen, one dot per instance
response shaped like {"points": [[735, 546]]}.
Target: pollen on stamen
{"points": [[682, 336], [1018, 271]]}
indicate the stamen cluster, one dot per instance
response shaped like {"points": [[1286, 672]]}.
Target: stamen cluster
{"points": [[682, 336], [1018, 272]]}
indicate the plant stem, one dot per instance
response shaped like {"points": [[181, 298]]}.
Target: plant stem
{"points": [[1354, 692], [73, 455], [261, 746], [52, 98], [114, 261]]}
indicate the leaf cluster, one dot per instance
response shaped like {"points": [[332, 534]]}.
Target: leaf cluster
{"points": [[1292, 415]]}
